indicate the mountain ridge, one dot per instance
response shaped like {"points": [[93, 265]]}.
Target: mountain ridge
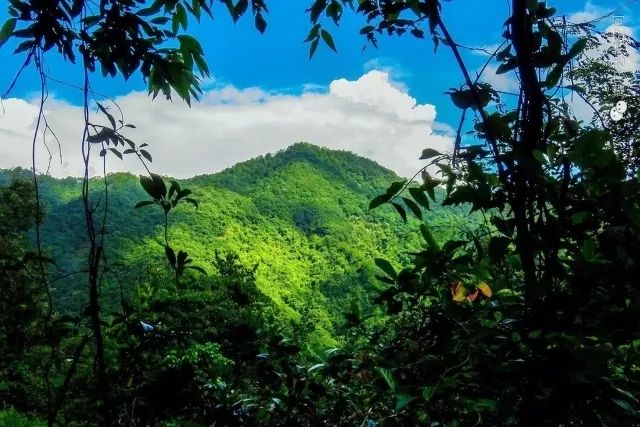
{"points": [[301, 215]]}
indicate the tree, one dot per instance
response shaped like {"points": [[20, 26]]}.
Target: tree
{"points": [[23, 301], [559, 245]]}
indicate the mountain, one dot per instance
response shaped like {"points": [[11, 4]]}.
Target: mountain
{"points": [[301, 215]]}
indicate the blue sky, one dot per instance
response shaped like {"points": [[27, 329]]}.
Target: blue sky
{"points": [[276, 64]]}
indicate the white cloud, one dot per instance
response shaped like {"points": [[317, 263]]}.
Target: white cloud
{"points": [[369, 116], [589, 12]]}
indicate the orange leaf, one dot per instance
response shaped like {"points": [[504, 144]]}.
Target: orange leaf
{"points": [[485, 289]]}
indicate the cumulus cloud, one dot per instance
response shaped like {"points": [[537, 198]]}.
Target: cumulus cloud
{"points": [[369, 116]]}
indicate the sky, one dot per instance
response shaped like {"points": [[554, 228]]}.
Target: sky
{"points": [[265, 94]]}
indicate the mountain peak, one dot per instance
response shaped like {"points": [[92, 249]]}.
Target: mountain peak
{"points": [[352, 170]]}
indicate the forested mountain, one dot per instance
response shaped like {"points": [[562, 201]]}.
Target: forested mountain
{"points": [[300, 215]]}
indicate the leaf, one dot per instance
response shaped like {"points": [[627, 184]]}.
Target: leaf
{"points": [[181, 14], [109, 116], [312, 49], [577, 48], [459, 292], [413, 207], [7, 30], [429, 153], [386, 267], [419, 196], [625, 406], [173, 189], [485, 289], [428, 237], [554, 75], [116, 152], [144, 203], [194, 202], [183, 193], [326, 36], [403, 400], [171, 256], [239, 9], [427, 392], [388, 377], [102, 136], [379, 200], [146, 155], [511, 64], [316, 9], [260, 23], [395, 187], [400, 210], [154, 186]]}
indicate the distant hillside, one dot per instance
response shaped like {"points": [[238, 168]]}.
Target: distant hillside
{"points": [[301, 215]]}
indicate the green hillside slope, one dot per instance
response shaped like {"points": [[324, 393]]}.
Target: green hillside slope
{"points": [[301, 215]]}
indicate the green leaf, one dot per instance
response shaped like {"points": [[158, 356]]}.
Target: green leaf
{"points": [[116, 152], [194, 202], [154, 186], [427, 392], [419, 196], [144, 203], [171, 256], [554, 76], [239, 9], [511, 64], [146, 155], [577, 48], [379, 200], [386, 266], [316, 9], [625, 406], [388, 377], [403, 400], [313, 33], [183, 193], [260, 23], [413, 207], [328, 39], [109, 116], [400, 210], [102, 136], [175, 187], [182, 16], [313, 47], [7, 30], [395, 187], [429, 153], [429, 237]]}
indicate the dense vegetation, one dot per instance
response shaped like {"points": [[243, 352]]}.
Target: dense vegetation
{"points": [[276, 212], [530, 317]]}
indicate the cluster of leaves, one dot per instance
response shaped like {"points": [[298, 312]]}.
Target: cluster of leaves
{"points": [[123, 37], [167, 200]]}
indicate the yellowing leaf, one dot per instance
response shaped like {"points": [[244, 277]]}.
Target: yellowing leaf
{"points": [[459, 292], [485, 289]]}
